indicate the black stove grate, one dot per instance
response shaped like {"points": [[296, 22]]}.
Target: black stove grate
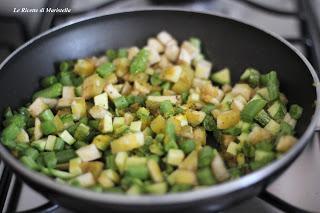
{"points": [[309, 39]]}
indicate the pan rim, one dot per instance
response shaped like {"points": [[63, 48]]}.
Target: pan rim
{"points": [[178, 198]]}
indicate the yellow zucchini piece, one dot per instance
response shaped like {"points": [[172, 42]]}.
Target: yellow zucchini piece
{"points": [[190, 162], [78, 108], [155, 171], [127, 142], [228, 119], [181, 176], [158, 124], [92, 86], [195, 117], [102, 142], [84, 67]]}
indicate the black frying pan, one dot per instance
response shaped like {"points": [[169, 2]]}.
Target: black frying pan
{"points": [[226, 42]]}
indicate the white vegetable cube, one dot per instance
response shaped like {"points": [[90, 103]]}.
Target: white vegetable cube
{"points": [[86, 180], [155, 44], [193, 97], [118, 121], [88, 153], [219, 168], [242, 89], [285, 143], [203, 69], [141, 88], [112, 91], [190, 48], [164, 62], [112, 175], [164, 37], [51, 102], [173, 73], [154, 56], [75, 166], [106, 124], [64, 102], [291, 121], [172, 52], [68, 92], [121, 160], [132, 52], [238, 103], [175, 157], [98, 112], [67, 137], [182, 119], [37, 107], [184, 57], [51, 140], [135, 126], [101, 100]]}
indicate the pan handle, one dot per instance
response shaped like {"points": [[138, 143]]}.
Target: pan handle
{"points": [[279, 203]]}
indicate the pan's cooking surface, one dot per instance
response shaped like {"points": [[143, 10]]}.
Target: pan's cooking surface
{"points": [[278, 190]]}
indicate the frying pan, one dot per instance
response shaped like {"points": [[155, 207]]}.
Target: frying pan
{"points": [[227, 43]]}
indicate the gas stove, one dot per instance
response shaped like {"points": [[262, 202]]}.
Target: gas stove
{"points": [[298, 21]]}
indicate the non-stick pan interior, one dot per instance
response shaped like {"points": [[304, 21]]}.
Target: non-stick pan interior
{"points": [[225, 42]]}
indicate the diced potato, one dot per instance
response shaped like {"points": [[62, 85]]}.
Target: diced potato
{"points": [[173, 73], [172, 52], [94, 167], [127, 142], [105, 181], [164, 62], [184, 57], [86, 180], [78, 108], [155, 44], [58, 123], [291, 121], [128, 118], [132, 52], [242, 89], [259, 134], [37, 107], [200, 135], [195, 117], [141, 88], [75, 166], [37, 132], [186, 131], [154, 101], [238, 103], [98, 112], [182, 119], [101, 100], [67, 137], [227, 139], [273, 127], [84, 67], [64, 102], [118, 121], [121, 160], [51, 140], [193, 97], [211, 94], [136, 161], [88, 153], [285, 143], [68, 92], [203, 69], [228, 119], [158, 124], [164, 37], [155, 171], [23, 137], [105, 124], [190, 162], [192, 50], [199, 83], [154, 56], [112, 92], [175, 157], [112, 175], [181, 176], [102, 142], [126, 89], [92, 86], [185, 81], [219, 169]]}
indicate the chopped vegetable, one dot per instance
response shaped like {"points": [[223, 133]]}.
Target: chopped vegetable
{"points": [[151, 120]]}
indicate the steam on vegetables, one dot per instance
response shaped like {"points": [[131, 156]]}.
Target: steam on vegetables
{"points": [[152, 120]]}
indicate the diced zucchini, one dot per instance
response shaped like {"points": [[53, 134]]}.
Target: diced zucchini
{"points": [[228, 119], [262, 117], [22, 137], [155, 171], [135, 126], [105, 124], [158, 124], [190, 162], [92, 86], [219, 169], [273, 127], [67, 137], [75, 166], [39, 144], [86, 180], [78, 108], [102, 142], [203, 69], [295, 111], [277, 110], [37, 107], [242, 89], [251, 76], [51, 140], [259, 134], [222, 76], [182, 177], [195, 117], [252, 109], [157, 188], [232, 148], [121, 160]]}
